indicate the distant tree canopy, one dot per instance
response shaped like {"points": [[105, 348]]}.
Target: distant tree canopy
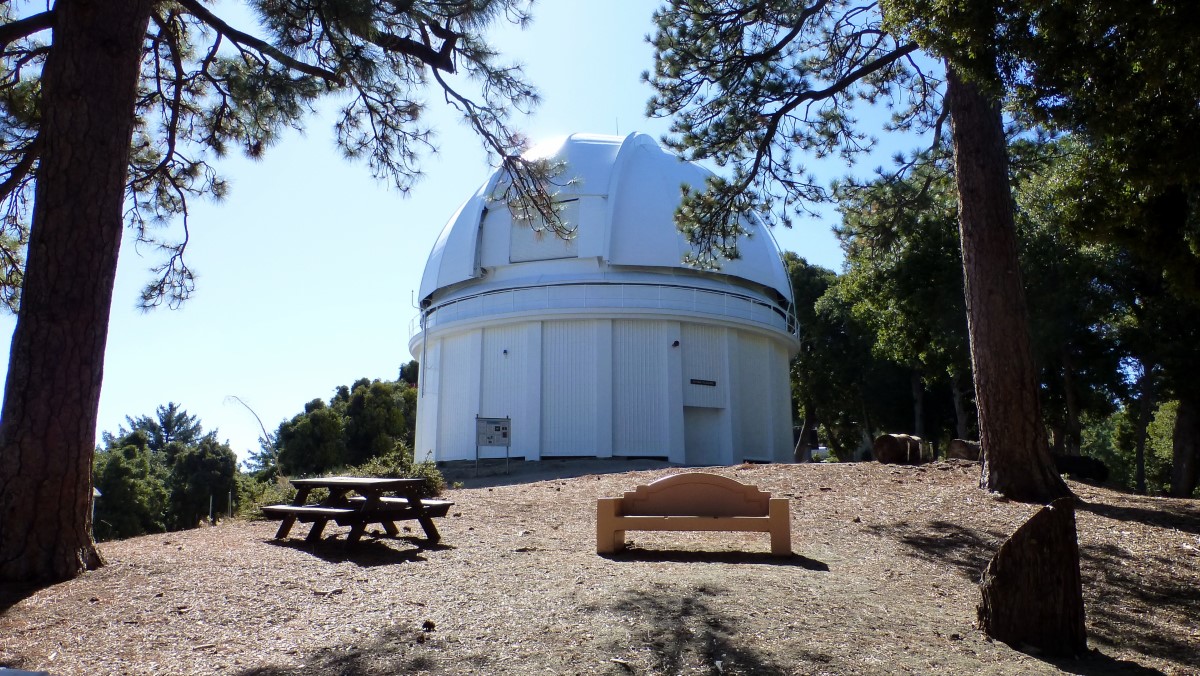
{"points": [[365, 420], [162, 473]]}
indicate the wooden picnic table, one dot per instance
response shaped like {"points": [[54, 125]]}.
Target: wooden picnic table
{"points": [[358, 502]]}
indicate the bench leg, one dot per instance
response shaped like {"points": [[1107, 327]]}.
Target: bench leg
{"points": [[780, 520], [390, 527], [609, 539]]}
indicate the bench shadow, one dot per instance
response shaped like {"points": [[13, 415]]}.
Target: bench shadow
{"points": [[634, 553], [367, 553]]}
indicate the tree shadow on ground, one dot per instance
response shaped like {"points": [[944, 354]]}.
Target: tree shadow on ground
{"points": [[1096, 663], [367, 553], [12, 594], [684, 633], [1177, 515], [1136, 603], [966, 549], [1140, 603], [394, 650], [633, 553]]}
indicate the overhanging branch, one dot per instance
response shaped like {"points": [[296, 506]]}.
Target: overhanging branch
{"points": [[23, 28], [216, 23]]}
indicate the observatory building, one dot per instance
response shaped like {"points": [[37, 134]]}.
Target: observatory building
{"points": [[604, 344]]}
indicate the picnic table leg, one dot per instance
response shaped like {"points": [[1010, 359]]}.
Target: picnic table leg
{"points": [[285, 527], [431, 531], [390, 527], [356, 532], [318, 527], [290, 520]]}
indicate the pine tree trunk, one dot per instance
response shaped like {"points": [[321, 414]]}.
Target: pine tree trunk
{"points": [[1145, 408], [961, 424], [918, 393], [52, 393], [1072, 428], [1016, 459], [1184, 469], [1032, 590]]}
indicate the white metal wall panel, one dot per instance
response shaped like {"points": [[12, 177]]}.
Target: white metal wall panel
{"points": [[427, 402], [568, 388], [704, 355], [640, 411], [752, 414], [459, 396], [504, 389], [781, 401]]}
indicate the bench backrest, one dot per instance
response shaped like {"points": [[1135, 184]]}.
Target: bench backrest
{"points": [[695, 494]]}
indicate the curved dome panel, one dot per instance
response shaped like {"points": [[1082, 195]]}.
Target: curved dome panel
{"points": [[622, 194]]}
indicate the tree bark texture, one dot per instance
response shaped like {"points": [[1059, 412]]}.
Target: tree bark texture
{"points": [[1145, 410], [918, 393], [961, 424], [52, 394], [1032, 590], [1016, 457], [1185, 471], [1072, 428]]}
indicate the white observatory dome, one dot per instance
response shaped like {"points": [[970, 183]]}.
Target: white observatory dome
{"points": [[606, 343]]}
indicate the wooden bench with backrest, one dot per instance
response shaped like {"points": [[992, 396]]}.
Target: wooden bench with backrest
{"points": [[693, 501]]}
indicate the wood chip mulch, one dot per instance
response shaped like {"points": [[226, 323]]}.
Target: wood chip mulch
{"points": [[884, 581]]}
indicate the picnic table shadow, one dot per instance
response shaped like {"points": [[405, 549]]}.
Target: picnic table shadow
{"points": [[634, 553], [373, 550]]}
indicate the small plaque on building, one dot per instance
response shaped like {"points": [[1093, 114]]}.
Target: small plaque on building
{"points": [[708, 383]]}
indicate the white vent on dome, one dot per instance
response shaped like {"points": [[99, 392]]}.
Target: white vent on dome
{"points": [[537, 242]]}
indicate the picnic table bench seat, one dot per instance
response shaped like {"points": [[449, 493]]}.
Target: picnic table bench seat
{"points": [[693, 501], [306, 513], [432, 507]]}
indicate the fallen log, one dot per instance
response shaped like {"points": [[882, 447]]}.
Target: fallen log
{"points": [[963, 450], [1032, 590], [898, 449]]}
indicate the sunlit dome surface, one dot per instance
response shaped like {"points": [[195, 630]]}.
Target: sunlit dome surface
{"points": [[621, 194]]}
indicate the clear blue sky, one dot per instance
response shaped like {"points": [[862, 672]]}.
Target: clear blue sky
{"points": [[307, 272]]}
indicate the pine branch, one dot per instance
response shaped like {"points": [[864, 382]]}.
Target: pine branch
{"points": [[23, 28], [216, 23]]}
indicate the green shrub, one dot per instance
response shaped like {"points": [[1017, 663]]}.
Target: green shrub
{"points": [[398, 463], [254, 493]]}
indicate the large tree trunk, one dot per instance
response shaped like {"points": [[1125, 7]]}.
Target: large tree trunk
{"points": [[918, 394], [52, 394], [1184, 467], [1145, 409], [1032, 590], [1016, 458], [962, 429], [1072, 428]]}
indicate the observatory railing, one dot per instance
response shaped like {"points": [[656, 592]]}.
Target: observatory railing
{"points": [[682, 299]]}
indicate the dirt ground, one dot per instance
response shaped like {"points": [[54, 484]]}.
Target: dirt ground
{"points": [[884, 581]]}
